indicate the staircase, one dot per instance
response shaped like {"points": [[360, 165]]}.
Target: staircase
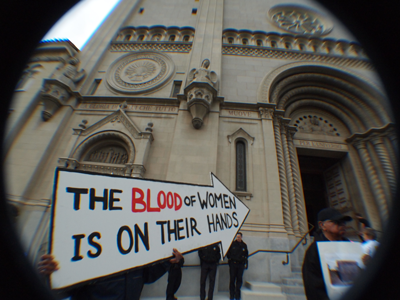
{"points": [[262, 290], [292, 288]]}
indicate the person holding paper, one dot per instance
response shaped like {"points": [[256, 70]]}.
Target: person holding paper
{"points": [[126, 286], [331, 228], [370, 244]]}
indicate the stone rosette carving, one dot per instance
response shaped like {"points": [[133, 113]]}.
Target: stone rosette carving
{"points": [[300, 20], [140, 72]]}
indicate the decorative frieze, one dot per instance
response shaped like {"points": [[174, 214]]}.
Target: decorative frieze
{"points": [[254, 51], [236, 113], [320, 145], [151, 46], [131, 107]]}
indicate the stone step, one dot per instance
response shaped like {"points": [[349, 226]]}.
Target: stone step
{"points": [[295, 297], [293, 289], [292, 281], [295, 275], [257, 286], [217, 296], [256, 295], [296, 269]]}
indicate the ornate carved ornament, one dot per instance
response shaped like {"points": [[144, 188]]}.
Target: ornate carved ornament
{"points": [[241, 133], [315, 125], [140, 72], [266, 113], [300, 20], [386, 130]]}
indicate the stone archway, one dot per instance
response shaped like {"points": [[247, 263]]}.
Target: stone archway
{"points": [[362, 113]]}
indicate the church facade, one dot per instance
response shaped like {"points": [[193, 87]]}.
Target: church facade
{"points": [[277, 99]]}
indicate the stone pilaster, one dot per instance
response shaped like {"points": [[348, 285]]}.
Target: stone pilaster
{"points": [[282, 174], [208, 42], [384, 158], [289, 178], [301, 212], [373, 179]]}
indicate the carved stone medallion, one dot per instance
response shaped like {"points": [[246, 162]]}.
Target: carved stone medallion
{"points": [[299, 19], [140, 72]]}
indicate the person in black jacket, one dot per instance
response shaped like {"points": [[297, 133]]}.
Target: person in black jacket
{"points": [[209, 258], [331, 228], [126, 286], [237, 255]]}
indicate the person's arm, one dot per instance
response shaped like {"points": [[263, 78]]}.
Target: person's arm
{"points": [[47, 264], [246, 263], [154, 272]]}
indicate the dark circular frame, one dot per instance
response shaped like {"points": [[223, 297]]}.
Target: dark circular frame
{"points": [[18, 278]]}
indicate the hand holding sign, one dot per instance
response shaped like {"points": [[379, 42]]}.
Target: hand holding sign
{"points": [[103, 224]]}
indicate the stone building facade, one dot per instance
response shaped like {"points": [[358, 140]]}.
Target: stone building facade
{"points": [[278, 100]]}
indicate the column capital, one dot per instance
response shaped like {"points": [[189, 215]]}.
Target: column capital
{"points": [[266, 113], [359, 144], [376, 139]]}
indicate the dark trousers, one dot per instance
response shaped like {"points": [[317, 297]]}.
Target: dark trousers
{"points": [[235, 279], [174, 280], [209, 269]]}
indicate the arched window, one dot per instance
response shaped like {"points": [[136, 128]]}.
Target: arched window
{"points": [[315, 48], [172, 38], [141, 37], [302, 47], [241, 166], [288, 45], [230, 40], [274, 44], [127, 37], [245, 41], [186, 38], [259, 43]]}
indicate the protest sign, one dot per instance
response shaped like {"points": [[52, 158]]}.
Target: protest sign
{"points": [[104, 224], [341, 263]]}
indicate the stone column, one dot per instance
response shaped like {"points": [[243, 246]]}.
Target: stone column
{"points": [[392, 146], [301, 212], [282, 175], [289, 178], [384, 158], [373, 179]]}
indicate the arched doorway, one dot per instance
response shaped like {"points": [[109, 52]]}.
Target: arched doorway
{"points": [[329, 118]]}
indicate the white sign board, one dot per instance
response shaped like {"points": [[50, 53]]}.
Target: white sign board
{"points": [[103, 224], [341, 263]]}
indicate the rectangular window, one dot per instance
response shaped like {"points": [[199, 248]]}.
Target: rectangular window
{"points": [[94, 86], [194, 11], [141, 10], [176, 88], [241, 167]]}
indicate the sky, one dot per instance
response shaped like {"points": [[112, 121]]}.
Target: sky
{"points": [[81, 21]]}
